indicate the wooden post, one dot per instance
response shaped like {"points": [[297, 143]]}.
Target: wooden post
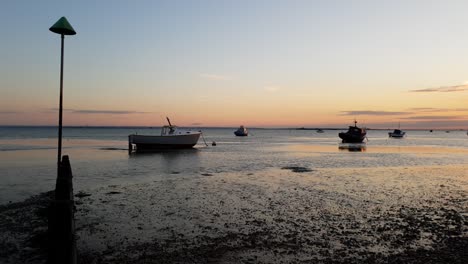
{"points": [[62, 218], [130, 146], [64, 184]]}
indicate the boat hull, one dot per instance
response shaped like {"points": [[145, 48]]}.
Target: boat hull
{"points": [[144, 142], [397, 133], [240, 134], [351, 138]]}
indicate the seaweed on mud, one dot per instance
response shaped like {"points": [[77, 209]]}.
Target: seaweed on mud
{"points": [[113, 192], [296, 169], [82, 194]]}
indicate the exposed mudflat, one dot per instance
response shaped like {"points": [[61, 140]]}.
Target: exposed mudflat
{"points": [[381, 215], [371, 215], [23, 230]]}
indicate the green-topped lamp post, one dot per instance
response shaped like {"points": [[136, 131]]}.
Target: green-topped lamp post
{"points": [[63, 28], [62, 247]]}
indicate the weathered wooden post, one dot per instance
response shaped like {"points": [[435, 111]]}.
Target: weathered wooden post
{"points": [[130, 145], [62, 218]]}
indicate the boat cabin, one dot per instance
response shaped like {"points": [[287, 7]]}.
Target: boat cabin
{"points": [[168, 130]]}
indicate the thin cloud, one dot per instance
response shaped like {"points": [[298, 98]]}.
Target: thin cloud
{"points": [[431, 117], [9, 112], [202, 98], [424, 124], [112, 112], [373, 113], [433, 110], [215, 77], [271, 88], [443, 89], [90, 111], [437, 124], [427, 109]]}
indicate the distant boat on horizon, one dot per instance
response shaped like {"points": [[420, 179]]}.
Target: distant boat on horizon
{"points": [[354, 134], [319, 130], [397, 133], [241, 132]]}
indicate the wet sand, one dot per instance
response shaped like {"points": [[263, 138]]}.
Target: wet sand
{"points": [[23, 230], [290, 214], [381, 215]]}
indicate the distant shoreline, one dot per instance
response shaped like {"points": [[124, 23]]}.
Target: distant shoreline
{"points": [[233, 127]]}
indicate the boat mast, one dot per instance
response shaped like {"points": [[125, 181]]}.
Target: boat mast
{"points": [[169, 121]]}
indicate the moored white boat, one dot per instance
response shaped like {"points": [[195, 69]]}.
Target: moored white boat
{"points": [[171, 137]]}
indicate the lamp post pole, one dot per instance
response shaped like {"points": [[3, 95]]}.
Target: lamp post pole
{"points": [[62, 27], [59, 154]]}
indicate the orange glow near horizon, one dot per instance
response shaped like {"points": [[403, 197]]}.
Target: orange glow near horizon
{"points": [[279, 107]]}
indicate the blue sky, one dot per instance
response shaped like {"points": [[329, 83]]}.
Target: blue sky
{"points": [[263, 63]]}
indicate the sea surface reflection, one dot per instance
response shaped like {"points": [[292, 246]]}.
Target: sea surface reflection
{"points": [[99, 156]]}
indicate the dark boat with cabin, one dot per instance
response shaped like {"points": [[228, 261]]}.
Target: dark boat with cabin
{"points": [[397, 133], [354, 134], [241, 132]]}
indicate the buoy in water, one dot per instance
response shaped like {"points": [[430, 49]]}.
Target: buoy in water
{"points": [[213, 144]]}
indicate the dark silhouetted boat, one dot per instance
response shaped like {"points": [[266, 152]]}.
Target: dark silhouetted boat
{"points": [[354, 134], [397, 133], [241, 132], [319, 131]]}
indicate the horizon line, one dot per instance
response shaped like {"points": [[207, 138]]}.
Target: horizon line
{"points": [[230, 127]]}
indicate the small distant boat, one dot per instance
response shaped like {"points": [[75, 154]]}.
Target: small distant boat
{"points": [[354, 134], [171, 137], [319, 131], [430, 130], [241, 132], [397, 133]]}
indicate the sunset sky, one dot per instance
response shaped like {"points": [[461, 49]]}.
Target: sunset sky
{"points": [[225, 63]]}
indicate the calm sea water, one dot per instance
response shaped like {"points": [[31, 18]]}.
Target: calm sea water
{"points": [[99, 156]]}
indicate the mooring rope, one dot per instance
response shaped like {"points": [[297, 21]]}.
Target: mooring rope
{"points": [[204, 139]]}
